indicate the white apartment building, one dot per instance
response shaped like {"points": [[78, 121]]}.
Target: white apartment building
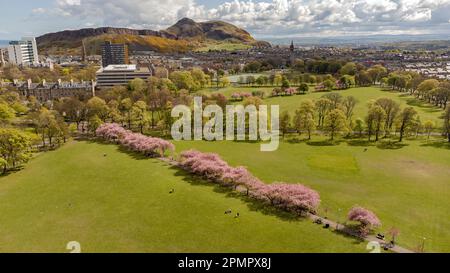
{"points": [[23, 52]]}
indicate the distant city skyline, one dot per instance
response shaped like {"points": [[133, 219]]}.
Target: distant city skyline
{"points": [[262, 18]]}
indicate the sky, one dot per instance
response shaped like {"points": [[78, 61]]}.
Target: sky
{"points": [[262, 18]]}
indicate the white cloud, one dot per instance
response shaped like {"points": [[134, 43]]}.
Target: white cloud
{"points": [[39, 11], [267, 17]]}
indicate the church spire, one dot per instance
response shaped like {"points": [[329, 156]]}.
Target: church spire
{"points": [[292, 46]]}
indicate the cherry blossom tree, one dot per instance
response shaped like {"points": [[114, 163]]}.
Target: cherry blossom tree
{"points": [[148, 146], [365, 217]]}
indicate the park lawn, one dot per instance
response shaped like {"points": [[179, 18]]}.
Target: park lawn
{"points": [[406, 186], [121, 203], [228, 91], [362, 94], [223, 47]]}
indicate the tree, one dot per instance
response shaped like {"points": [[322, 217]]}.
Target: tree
{"points": [[428, 126], [335, 121], [46, 125], [426, 86], [347, 81], [441, 95], [184, 80], [363, 78], [199, 77], [359, 126], [97, 107], [304, 118], [6, 113], [394, 232], [138, 87], [349, 104], [94, 124], [14, 147], [139, 112], [366, 218], [406, 118], [328, 84], [73, 109], [125, 108], [349, 69], [335, 99], [285, 84], [277, 79], [323, 106], [447, 122], [303, 88], [376, 73], [224, 82], [285, 121], [3, 164], [392, 108], [375, 120]]}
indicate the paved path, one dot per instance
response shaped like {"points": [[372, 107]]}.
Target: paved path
{"points": [[370, 238]]}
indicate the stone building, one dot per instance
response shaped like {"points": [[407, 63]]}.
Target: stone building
{"points": [[44, 91]]}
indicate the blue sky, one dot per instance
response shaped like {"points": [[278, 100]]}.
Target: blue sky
{"points": [[263, 18]]}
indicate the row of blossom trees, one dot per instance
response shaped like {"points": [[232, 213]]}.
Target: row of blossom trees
{"points": [[291, 197], [295, 198], [148, 146]]}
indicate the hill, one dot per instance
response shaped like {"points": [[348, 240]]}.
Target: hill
{"points": [[185, 35]]}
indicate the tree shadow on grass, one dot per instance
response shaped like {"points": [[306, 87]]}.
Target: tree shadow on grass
{"points": [[119, 148], [423, 105], [252, 204], [360, 143], [389, 145], [437, 144], [324, 143], [347, 233], [297, 140], [11, 171]]}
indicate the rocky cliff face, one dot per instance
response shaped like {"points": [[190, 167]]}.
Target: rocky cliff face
{"points": [[214, 30], [184, 31], [78, 35]]}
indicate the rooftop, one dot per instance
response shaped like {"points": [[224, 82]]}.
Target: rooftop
{"points": [[123, 68]]}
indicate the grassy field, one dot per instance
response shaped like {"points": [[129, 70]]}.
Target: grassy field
{"points": [[223, 47], [121, 203], [406, 185], [362, 94]]}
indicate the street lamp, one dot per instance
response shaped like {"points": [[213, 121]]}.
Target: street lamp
{"points": [[339, 216], [423, 244]]}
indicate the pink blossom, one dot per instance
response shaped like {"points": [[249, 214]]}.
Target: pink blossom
{"points": [[149, 146], [293, 197], [363, 216]]}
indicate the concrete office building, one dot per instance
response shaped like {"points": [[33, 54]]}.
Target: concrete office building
{"points": [[23, 52], [121, 75], [114, 54]]}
